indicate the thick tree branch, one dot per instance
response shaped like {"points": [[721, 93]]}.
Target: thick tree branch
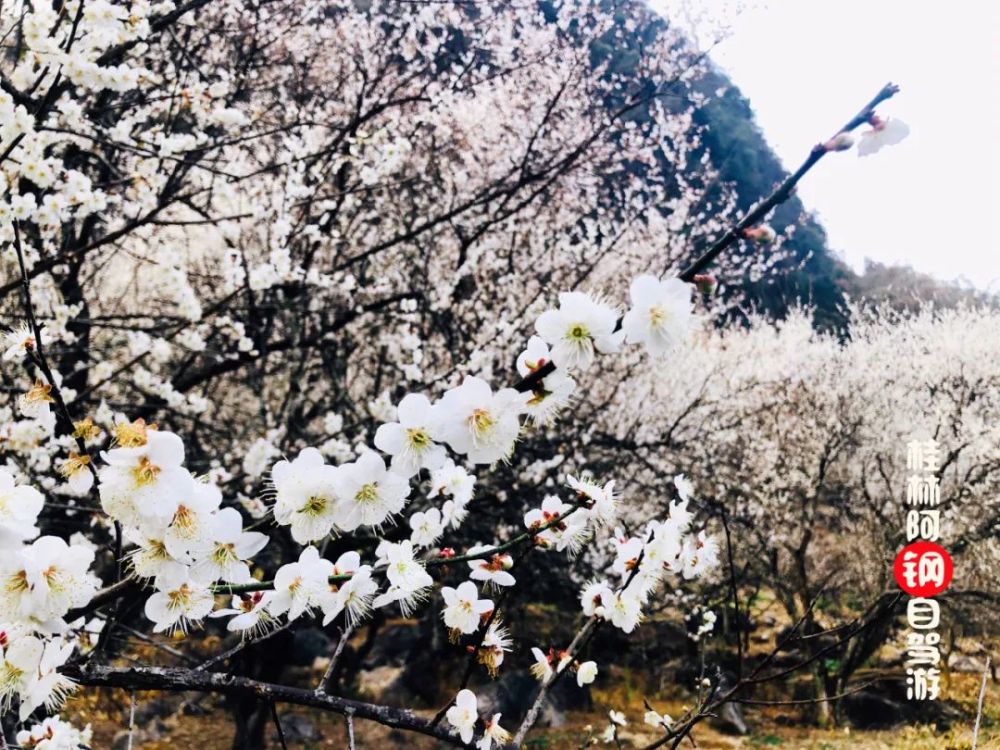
{"points": [[180, 680]]}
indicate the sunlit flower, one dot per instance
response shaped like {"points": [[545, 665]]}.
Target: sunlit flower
{"points": [[19, 341], [77, 471], [496, 643], [35, 401]]}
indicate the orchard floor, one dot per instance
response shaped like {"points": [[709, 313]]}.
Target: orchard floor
{"points": [[204, 725]]}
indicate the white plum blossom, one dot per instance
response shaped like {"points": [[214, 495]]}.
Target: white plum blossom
{"points": [[407, 577], [426, 527], [48, 687], [464, 714], [454, 481], [20, 657], [34, 403], [475, 421], [409, 440], [661, 314], [576, 330], [453, 514], [602, 501], [151, 559], [353, 598], [700, 555], [496, 642], [20, 505], [249, 613], [554, 391], [656, 719], [595, 598], [144, 478], [464, 609], [300, 586], [178, 603], [77, 471], [43, 580], [188, 536], [556, 524], [305, 495], [52, 733], [586, 673], [19, 341], [883, 133], [493, 569], [493, 733], [228, 548], [684, 487], [546, 665], [369, 492], [625, 611]]}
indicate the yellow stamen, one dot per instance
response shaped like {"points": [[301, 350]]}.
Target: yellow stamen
{"points": [[132, 434], [145, 472]]}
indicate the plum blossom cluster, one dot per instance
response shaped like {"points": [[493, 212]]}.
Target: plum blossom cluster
{"points": [[41, 579], [642, 562], [52, 733], [184, 540]]}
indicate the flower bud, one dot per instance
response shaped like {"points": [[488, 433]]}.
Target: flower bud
{"points": [[705, 282], [447, 552], [840, 142], [506, 562], [876, 122], [762, 234]]}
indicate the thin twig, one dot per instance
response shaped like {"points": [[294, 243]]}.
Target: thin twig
{"points": [[979, 709], [349, 718], [532, 715], [239, 647], [277, 725], [131, 719], [332, 666], [736, 595]]}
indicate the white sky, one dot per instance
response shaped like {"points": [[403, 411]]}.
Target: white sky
{"points": [[808, 65]]}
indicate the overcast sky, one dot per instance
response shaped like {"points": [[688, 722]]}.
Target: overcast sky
{"points": [[931, 202]]}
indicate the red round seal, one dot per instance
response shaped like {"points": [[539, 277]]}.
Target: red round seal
{"points": [[923, 569]]}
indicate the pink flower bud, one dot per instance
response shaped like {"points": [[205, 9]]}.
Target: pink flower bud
{"points": [[762, 234], [705, 282]]}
